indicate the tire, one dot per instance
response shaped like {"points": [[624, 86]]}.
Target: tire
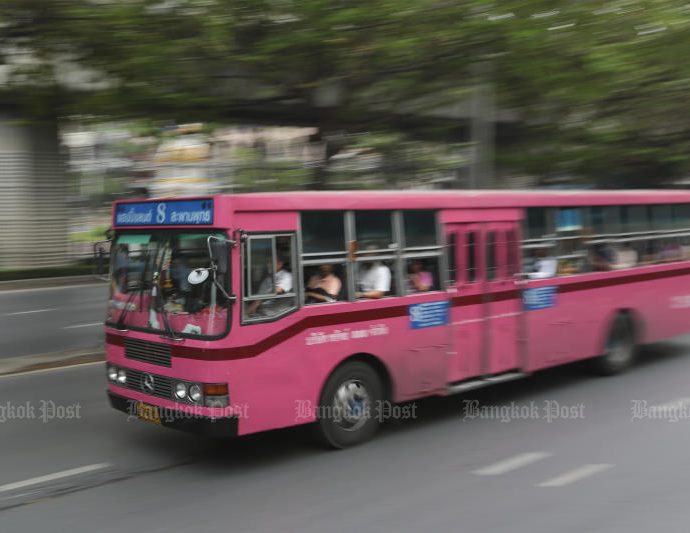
{"points": [[348, 407], [619, 351]]}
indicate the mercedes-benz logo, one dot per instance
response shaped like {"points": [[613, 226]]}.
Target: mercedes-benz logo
{"points": [[147, 383]]}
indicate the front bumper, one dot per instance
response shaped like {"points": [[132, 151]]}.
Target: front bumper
{"points": [[211, 427]]}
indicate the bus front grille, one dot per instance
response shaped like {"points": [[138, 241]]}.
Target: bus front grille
{"points": [[148, 352], [162, 386]]}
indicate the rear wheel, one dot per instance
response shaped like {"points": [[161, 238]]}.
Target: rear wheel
{"points": [[348, 409], [620, 348]]}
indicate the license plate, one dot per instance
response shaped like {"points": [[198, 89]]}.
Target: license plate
{"points": [[148, 412]]}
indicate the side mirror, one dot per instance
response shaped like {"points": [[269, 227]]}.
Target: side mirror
{"points": [[198, 276], [101, 260], [219, 252]]}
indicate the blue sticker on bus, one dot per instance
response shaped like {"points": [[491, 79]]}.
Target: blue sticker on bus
{"points": [[166, 213], [539, 298], [429, 314]]}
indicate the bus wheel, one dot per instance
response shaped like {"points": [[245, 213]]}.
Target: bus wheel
{"points": [[620, 348], [348, 407]]}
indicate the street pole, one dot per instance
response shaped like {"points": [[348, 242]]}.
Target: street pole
{"points": [[482, 128]]}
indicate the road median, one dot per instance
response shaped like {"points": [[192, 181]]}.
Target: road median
{"points": [[28, 363]]}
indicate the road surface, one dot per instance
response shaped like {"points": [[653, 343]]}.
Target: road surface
{"points": [[36, 321], [598, 463]]}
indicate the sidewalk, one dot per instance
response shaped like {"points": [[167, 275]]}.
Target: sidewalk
{"points": [[26, 363]]}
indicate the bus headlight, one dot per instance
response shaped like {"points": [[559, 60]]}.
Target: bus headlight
{"points": [[121, 377], [181, 391], [195, 392], [112, 373]]}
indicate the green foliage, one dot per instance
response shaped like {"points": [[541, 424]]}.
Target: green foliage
{"points": [[595, 89]]}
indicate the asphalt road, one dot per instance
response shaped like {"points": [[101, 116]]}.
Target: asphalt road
{"points": [[35, 321], [604, 467]]}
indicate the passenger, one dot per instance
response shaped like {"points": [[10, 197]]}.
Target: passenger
{"points": [[670, 251], [282, 282], [324, 286], [626, 257], [374, 280], [601, 257], [685, 251], [544, 265], [420, 280]]}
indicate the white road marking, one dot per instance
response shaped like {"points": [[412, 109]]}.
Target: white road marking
{"points": [[575, 475], [32, 311], [512, 463], [84, 325], [52, 477]]}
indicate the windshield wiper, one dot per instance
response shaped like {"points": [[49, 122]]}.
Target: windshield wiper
{"points": [[159, 305], [120, 324]]}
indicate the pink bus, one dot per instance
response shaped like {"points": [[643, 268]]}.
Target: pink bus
{"points": [[236, 314]]}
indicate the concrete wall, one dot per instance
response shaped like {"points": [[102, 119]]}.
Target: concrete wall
{"points": [[33, 192]]}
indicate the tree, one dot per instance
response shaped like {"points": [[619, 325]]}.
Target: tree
{"points": [[595, 91]]}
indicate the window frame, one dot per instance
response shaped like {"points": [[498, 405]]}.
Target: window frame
{"points": [[398, 254], [247, 237]]}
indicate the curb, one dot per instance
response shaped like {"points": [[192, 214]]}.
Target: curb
{"points": [[27, 363], [44, 283]]}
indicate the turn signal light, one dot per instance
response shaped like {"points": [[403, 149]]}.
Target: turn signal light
{"points": [[215, 389]]}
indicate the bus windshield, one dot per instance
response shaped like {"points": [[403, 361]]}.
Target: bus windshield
{"points": [[169, 282]]}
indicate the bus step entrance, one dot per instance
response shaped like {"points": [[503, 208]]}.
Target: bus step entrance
{"points": [[464, 386]]}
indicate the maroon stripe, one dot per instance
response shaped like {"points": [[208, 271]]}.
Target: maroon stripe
{"points": [[363, 315], [623, 280]]}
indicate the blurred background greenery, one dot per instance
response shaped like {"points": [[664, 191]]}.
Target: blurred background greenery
{"points": [[181, 96]]}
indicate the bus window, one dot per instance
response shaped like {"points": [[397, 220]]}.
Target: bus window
{"points": [[604, 220], [452, 263], [471, 257], [536, 225], [324, 283], [323, 232], [374, 230], [422, 274], [375, 268], [662, 217], [634, 218], [269, 284], [513, 266], [420, 229], [491, 265]]}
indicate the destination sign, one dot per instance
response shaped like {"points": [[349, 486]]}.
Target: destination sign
{"points": [[165, 213]]}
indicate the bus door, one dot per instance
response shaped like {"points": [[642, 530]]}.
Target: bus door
{"points": [[503, 302], [485, 303]]}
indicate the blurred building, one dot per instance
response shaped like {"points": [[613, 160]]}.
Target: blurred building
{"points": [[33, 190]]}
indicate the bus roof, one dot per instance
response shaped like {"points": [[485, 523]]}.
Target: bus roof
{"points": [[447, 199], [438, 199]]}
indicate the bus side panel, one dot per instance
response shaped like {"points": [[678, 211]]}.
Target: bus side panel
{"points": [[281, 387], [561, 326], [663, 307], [575, 323]]}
